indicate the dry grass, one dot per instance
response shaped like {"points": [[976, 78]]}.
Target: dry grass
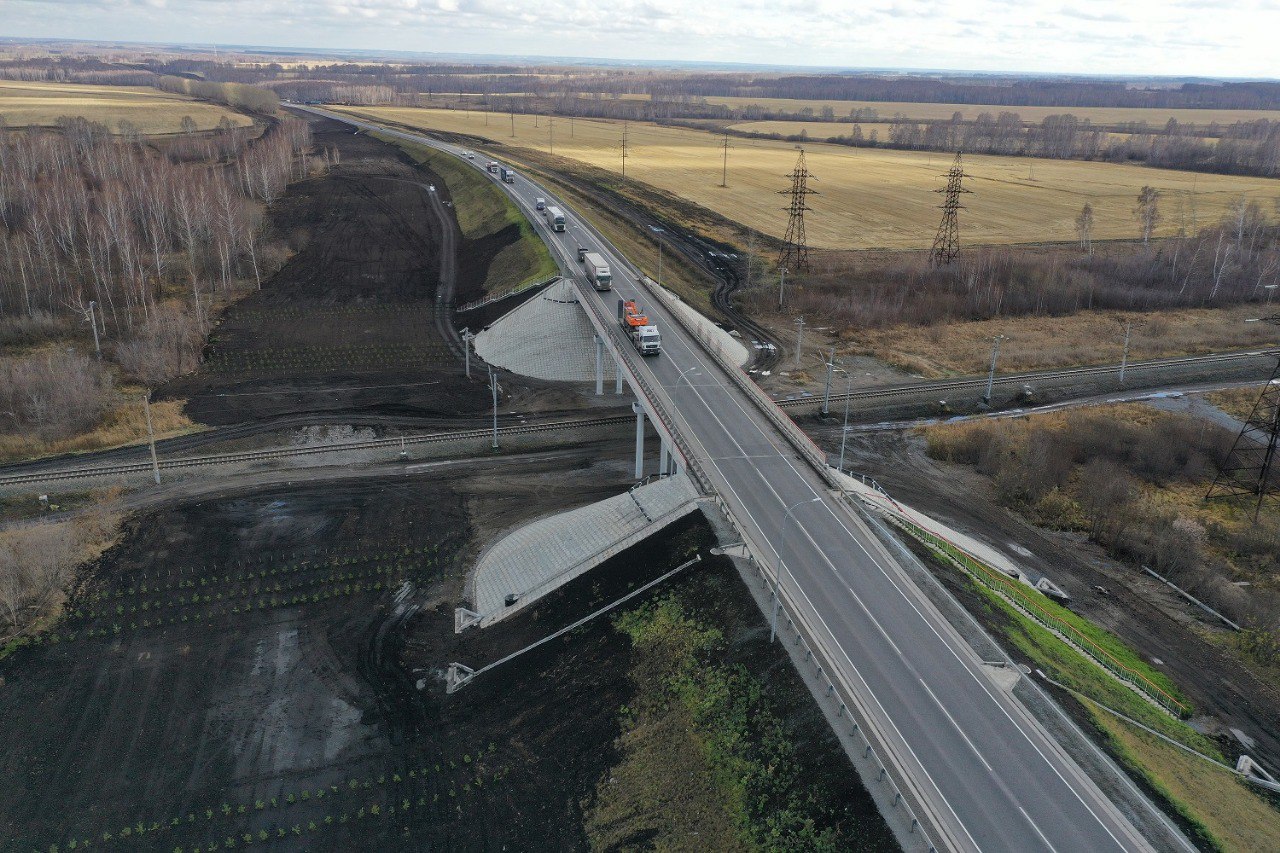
{"points": [[1155, 117], [1034, 343], [1237, 402], [124, 424], [869, 197], [154, 112], [1236, 816]]}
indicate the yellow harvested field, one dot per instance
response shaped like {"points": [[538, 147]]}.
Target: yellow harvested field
{"points": [[154, 112], [869, 198], [1154, 117]]}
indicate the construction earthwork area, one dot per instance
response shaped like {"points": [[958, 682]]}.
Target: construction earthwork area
{"points": [[259, 659]]}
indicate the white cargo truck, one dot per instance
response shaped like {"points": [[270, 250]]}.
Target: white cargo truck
{"points": [[597, 271], [555, 217]]}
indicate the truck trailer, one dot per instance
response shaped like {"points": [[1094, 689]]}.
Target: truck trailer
{"points": [[555, 217], [642, 334], [508, 176], [597, 271]]}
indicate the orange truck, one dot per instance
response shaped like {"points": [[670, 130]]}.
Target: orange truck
{"points": [[643, 335]]}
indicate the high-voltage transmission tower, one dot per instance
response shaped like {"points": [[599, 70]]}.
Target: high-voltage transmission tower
{"points": [[1249, 466], [795, 246], [946, 246]]}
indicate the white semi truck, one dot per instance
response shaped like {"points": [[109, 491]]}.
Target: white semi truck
{"points": [[597, 271], [643, 335], [555, 217]]}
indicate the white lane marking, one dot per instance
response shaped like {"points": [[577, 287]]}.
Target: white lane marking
{"points": [[785, 457], [960, 731], [1037, 829]]}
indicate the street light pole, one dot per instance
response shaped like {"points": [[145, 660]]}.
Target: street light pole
{"points": [[659, 231], [991, 377], [777, 581]]}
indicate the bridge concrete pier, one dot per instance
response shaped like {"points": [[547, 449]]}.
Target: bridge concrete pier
{"points": [[599, 366], [639, 410]]}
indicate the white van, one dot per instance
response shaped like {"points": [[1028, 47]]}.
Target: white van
{"points": [[540, 204]]}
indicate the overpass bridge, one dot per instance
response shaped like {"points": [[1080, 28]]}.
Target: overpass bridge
{"points": [[970, 767]]}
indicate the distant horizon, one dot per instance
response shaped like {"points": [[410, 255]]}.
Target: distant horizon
{"points": [[1087, 38]]}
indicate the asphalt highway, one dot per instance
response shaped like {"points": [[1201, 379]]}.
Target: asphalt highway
{"points": [[984, 772]]}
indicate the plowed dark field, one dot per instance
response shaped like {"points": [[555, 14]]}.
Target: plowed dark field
{"points": [[357, 319], [245, 672]]}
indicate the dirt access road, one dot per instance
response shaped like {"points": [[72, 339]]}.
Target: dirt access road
{"points": [[1164, 629]]}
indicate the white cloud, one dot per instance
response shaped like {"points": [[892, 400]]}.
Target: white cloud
{"points": [[1185, 37]]}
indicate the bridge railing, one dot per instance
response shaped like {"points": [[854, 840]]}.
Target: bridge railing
{"points": [[659, 405], [795, 436]]}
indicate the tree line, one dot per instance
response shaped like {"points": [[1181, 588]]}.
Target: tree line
{"points": [[115, 237], [1232, 262]]}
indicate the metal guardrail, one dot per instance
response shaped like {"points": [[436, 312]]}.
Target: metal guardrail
{"points": [[288, 452], [656, 401], [864, 727], [498, 297], [783, 424], [1010, 591]]}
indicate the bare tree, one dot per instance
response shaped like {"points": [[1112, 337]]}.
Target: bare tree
{"points": [[1148, 211], [1084, 227]]}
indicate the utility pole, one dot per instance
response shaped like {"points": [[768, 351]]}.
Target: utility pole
{"points": [[799, 339], [1124, 358], [493, 386], [844, 433], [551, 134], [513, 120], [826, 392], [991, 377], [795, 245], [93, 324], [724, 171], [782, 283], [1248, 469], [151, 436], [946, 245], [624, 149]]}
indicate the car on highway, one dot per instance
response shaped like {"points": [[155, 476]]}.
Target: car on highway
{"points": [[471, 155], [540, 203]]}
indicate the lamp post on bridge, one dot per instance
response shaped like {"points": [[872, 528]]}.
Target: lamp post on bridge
{"points": [[782, 565], [659, 231]]}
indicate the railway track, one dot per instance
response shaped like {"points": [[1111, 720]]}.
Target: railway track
{"points": [[240, 457], [951, 385]]}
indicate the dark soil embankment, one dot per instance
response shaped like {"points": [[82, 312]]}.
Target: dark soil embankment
{"points": [[241, 667], [351, 321]]}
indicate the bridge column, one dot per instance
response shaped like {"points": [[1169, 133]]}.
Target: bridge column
{"points": [[639, 410], [664, 459], [617, 374], [599, 365]]}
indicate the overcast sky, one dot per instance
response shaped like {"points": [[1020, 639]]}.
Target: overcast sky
{"points": [[1229, 38]]}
